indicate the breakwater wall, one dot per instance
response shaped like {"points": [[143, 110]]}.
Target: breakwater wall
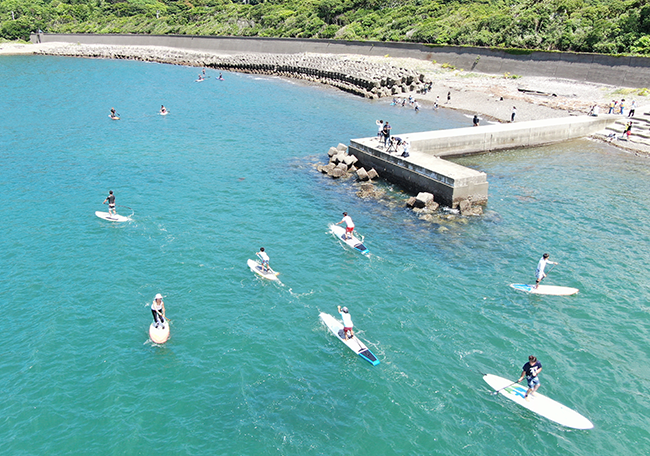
{"points": [[426, 170], [351, 74], [623, 71]]}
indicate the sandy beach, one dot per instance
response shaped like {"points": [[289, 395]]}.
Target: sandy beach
{"points": [[491, 97]]}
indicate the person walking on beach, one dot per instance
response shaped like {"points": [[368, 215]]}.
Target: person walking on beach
{"points": [[531, 371], [264, 258], [632, 109], [539, 272], [349, 226], [111, 203], [514, 113], [158, 311], [347, 322]]}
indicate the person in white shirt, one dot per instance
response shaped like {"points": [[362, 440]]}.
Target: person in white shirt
{"points": [[539, 272], [349, 226], [264, 258], [347, 322], [158, 311]]}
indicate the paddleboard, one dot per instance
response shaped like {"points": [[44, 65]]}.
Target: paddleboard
{"points": [[160, 334], [545, 289], [111, 217], [258, 269], [114, 117], [164, 113], [354, 344], [353, 242], [538, 403]]}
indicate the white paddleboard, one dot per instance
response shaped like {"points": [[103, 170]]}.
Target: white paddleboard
{"points": [[258, 269], [164, 113], [545, 289], [354, 344], [354, 242], [538, 403], [160, 334], [114, 117], [111, 217]]}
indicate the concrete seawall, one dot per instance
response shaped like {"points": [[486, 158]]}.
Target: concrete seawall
{"points": [[624, 71], [426, 171]]}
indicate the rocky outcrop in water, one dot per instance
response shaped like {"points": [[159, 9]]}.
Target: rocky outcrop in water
{"points": [[348, 73]]}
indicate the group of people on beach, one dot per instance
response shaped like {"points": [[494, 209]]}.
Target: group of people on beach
{"points": [[618, 107]]}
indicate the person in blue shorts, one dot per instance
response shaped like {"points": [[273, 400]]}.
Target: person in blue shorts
{"points": [[531, 370]]}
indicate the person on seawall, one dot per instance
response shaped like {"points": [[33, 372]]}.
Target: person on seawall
{"points": [[476, 120], [158, 311], [539, 272], [111, 203], [514, 113], [387, 129], [621, 107], [405, 150], [531, 370], [347, 322], [349, 226], [380, 129], [264, 258]]}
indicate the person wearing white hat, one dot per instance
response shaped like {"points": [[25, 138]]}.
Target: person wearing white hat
{"points": [[158, 311]]}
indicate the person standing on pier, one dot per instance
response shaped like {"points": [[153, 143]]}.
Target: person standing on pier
{"points": [[380, 130], [387, 129]]}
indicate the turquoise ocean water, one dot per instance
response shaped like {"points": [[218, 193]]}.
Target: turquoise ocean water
{"points": [[249, 368]]}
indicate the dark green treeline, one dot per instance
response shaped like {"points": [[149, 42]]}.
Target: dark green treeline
{"points": [[602, 26]]}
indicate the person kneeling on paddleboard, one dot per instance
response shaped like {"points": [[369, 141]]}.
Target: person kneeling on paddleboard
{"points": [[158, 311], [349, 226], [347, 322], [531, 370], [111, 202], [264, 258], [539, 272]]}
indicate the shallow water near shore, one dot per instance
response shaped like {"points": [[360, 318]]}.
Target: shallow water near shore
{"points": [[249, 369]]}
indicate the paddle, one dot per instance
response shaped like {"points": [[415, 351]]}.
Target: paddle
{"points": [[501, 389]]}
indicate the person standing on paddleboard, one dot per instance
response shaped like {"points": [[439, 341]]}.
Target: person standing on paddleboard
{"points": [[158, 311], [264, 258], [349, 226], [531, 370], [539, 272], [347, 322], [111, 202]]}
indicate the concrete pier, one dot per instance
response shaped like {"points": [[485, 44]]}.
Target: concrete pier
{"points": [[426, 171]]}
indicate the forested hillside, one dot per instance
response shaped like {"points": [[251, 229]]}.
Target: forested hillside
{"points": [[603, 26]]}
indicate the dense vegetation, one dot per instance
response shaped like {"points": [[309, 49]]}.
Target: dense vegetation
{"points": [[603, 26]]}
